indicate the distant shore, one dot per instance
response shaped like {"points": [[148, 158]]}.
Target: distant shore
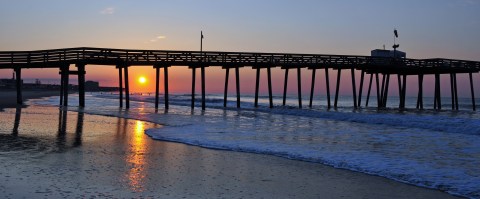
{"points": [[9, 97]]}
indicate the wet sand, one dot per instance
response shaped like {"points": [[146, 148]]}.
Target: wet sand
{"points": [[49, 153]]}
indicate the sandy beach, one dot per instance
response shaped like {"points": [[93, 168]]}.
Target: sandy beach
{"points": [[50, 153]]}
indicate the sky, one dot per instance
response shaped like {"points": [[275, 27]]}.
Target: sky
{"points": [[427, 29]]}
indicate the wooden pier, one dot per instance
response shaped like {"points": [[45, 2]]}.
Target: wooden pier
{"points": [[122, 59]]}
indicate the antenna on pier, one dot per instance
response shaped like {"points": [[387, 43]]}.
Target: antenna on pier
{"points": [[395, 46], [201, 44], [201, 41]]}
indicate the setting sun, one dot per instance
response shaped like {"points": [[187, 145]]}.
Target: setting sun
{"points": [[142, 80]]}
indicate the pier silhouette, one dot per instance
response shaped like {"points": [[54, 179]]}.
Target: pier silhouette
{"points": [[122, 59]]}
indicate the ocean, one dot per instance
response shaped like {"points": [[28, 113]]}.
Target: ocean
{"points": [[434, 149]]}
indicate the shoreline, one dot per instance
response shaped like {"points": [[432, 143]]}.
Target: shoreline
{"points": [[234, 174]]}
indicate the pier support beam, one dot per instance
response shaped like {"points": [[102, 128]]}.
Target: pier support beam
{"points": [[18, 84], [127, 88], [269, 78], [362, 76], [382, 91], [354, 89], [438, 101], [120, 85], [379, 104], [312, 87], [257, 86], [369, 89], [165, 85], [64, 74], [299, 84], [452, 92], [193, 87], [455, 90], [420, 92], [227, 71], [237, 79], [337, 87], [202, 70], [327, 84], [285, 83], [157, 85], [385, 95], [472, 91], [404, 91], [399, 91], [81, 84]]}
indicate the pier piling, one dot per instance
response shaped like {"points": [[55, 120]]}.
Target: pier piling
{"points": [[354, 90], [385, 95], [362, 76], [452, 92], [193, 87], [299, 84], [257, 86], [62, 76], [337, 87], [269, 78], [165, 85], [420, 92], [227, 71], [237, 79], [127, 88], [384, 78], [18, 85], [327, 84], [157, 85], [369, 89], [81, 84], [404, 91], [285, 86], [399, 91], [312, 87], [202, 70], [455, 90], [120, 85], [438, 100], [65, 84], [378, 90], [472, 91]]}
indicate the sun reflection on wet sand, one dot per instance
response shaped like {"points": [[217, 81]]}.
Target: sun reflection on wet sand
{"points": [[136, 158]]}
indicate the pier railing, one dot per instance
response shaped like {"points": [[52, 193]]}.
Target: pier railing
{"points": [[101, 56]]}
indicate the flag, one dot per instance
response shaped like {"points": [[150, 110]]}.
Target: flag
{"points": [[201, 34], [394, 32]]}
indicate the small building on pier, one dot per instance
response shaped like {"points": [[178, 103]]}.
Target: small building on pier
{"points": [[388, 53]]}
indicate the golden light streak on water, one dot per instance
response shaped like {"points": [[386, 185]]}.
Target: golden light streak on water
{"points": [[136, 158]]}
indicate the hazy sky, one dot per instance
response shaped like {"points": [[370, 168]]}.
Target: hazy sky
{"points": [[427, 28]]}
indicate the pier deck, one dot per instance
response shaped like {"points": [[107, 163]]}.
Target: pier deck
{"points": [[123, 58]]}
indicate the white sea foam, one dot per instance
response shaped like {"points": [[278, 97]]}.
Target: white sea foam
{"points": [[430, 149]]}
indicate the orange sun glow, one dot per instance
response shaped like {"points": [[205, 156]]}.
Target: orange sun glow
{"points": [[142, 80]]}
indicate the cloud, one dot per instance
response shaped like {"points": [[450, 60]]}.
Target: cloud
{"points": [[108, 11], [158, 38]]}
